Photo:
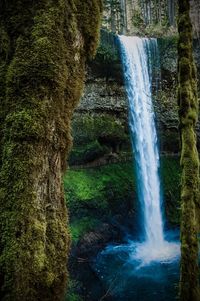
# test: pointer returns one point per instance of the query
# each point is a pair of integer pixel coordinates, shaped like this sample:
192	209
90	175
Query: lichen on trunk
43	49
188	114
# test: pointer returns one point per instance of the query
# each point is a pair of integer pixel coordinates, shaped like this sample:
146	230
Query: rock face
103	95
100	125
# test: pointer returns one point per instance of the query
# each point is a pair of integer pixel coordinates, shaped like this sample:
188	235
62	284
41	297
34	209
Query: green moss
87	153
97	135
111	189
43	49
188	114
97	190
80	227
83	185
89	127
91	24
107	54
23	124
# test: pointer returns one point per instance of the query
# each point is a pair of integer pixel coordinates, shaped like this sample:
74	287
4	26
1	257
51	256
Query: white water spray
136	53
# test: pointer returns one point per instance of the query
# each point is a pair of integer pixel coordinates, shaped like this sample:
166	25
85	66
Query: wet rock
94	241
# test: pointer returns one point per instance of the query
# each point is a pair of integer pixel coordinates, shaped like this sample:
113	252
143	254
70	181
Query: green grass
100	186
81	226
97	194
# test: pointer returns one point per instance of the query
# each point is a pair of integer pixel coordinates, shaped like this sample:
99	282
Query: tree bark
188	114
43	49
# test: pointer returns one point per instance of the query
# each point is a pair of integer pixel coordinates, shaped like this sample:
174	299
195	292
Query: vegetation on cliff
95	196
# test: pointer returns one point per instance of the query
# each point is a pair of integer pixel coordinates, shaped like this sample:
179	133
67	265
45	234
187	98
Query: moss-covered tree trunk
188	113
43	48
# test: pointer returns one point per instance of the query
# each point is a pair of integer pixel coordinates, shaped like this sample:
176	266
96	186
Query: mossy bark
43	49
188	114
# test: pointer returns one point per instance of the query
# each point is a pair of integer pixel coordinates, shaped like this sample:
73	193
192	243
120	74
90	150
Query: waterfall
142	125
137	63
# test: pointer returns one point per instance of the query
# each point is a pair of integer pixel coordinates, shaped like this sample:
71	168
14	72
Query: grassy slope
94	195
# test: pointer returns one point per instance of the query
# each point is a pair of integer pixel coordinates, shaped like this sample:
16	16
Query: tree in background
115	15
188	114
43	48
195	17
121	16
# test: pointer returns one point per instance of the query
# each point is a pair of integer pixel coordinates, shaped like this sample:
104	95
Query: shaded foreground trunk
43	48
188	114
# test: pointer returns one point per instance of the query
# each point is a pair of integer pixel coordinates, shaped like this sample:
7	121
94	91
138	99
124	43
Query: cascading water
145	269
143	133
137	58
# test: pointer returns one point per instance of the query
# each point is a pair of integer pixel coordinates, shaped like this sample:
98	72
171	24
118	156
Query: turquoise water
124	279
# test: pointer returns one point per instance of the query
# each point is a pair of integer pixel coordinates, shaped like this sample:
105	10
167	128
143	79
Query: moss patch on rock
95	195
98	189
96	135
